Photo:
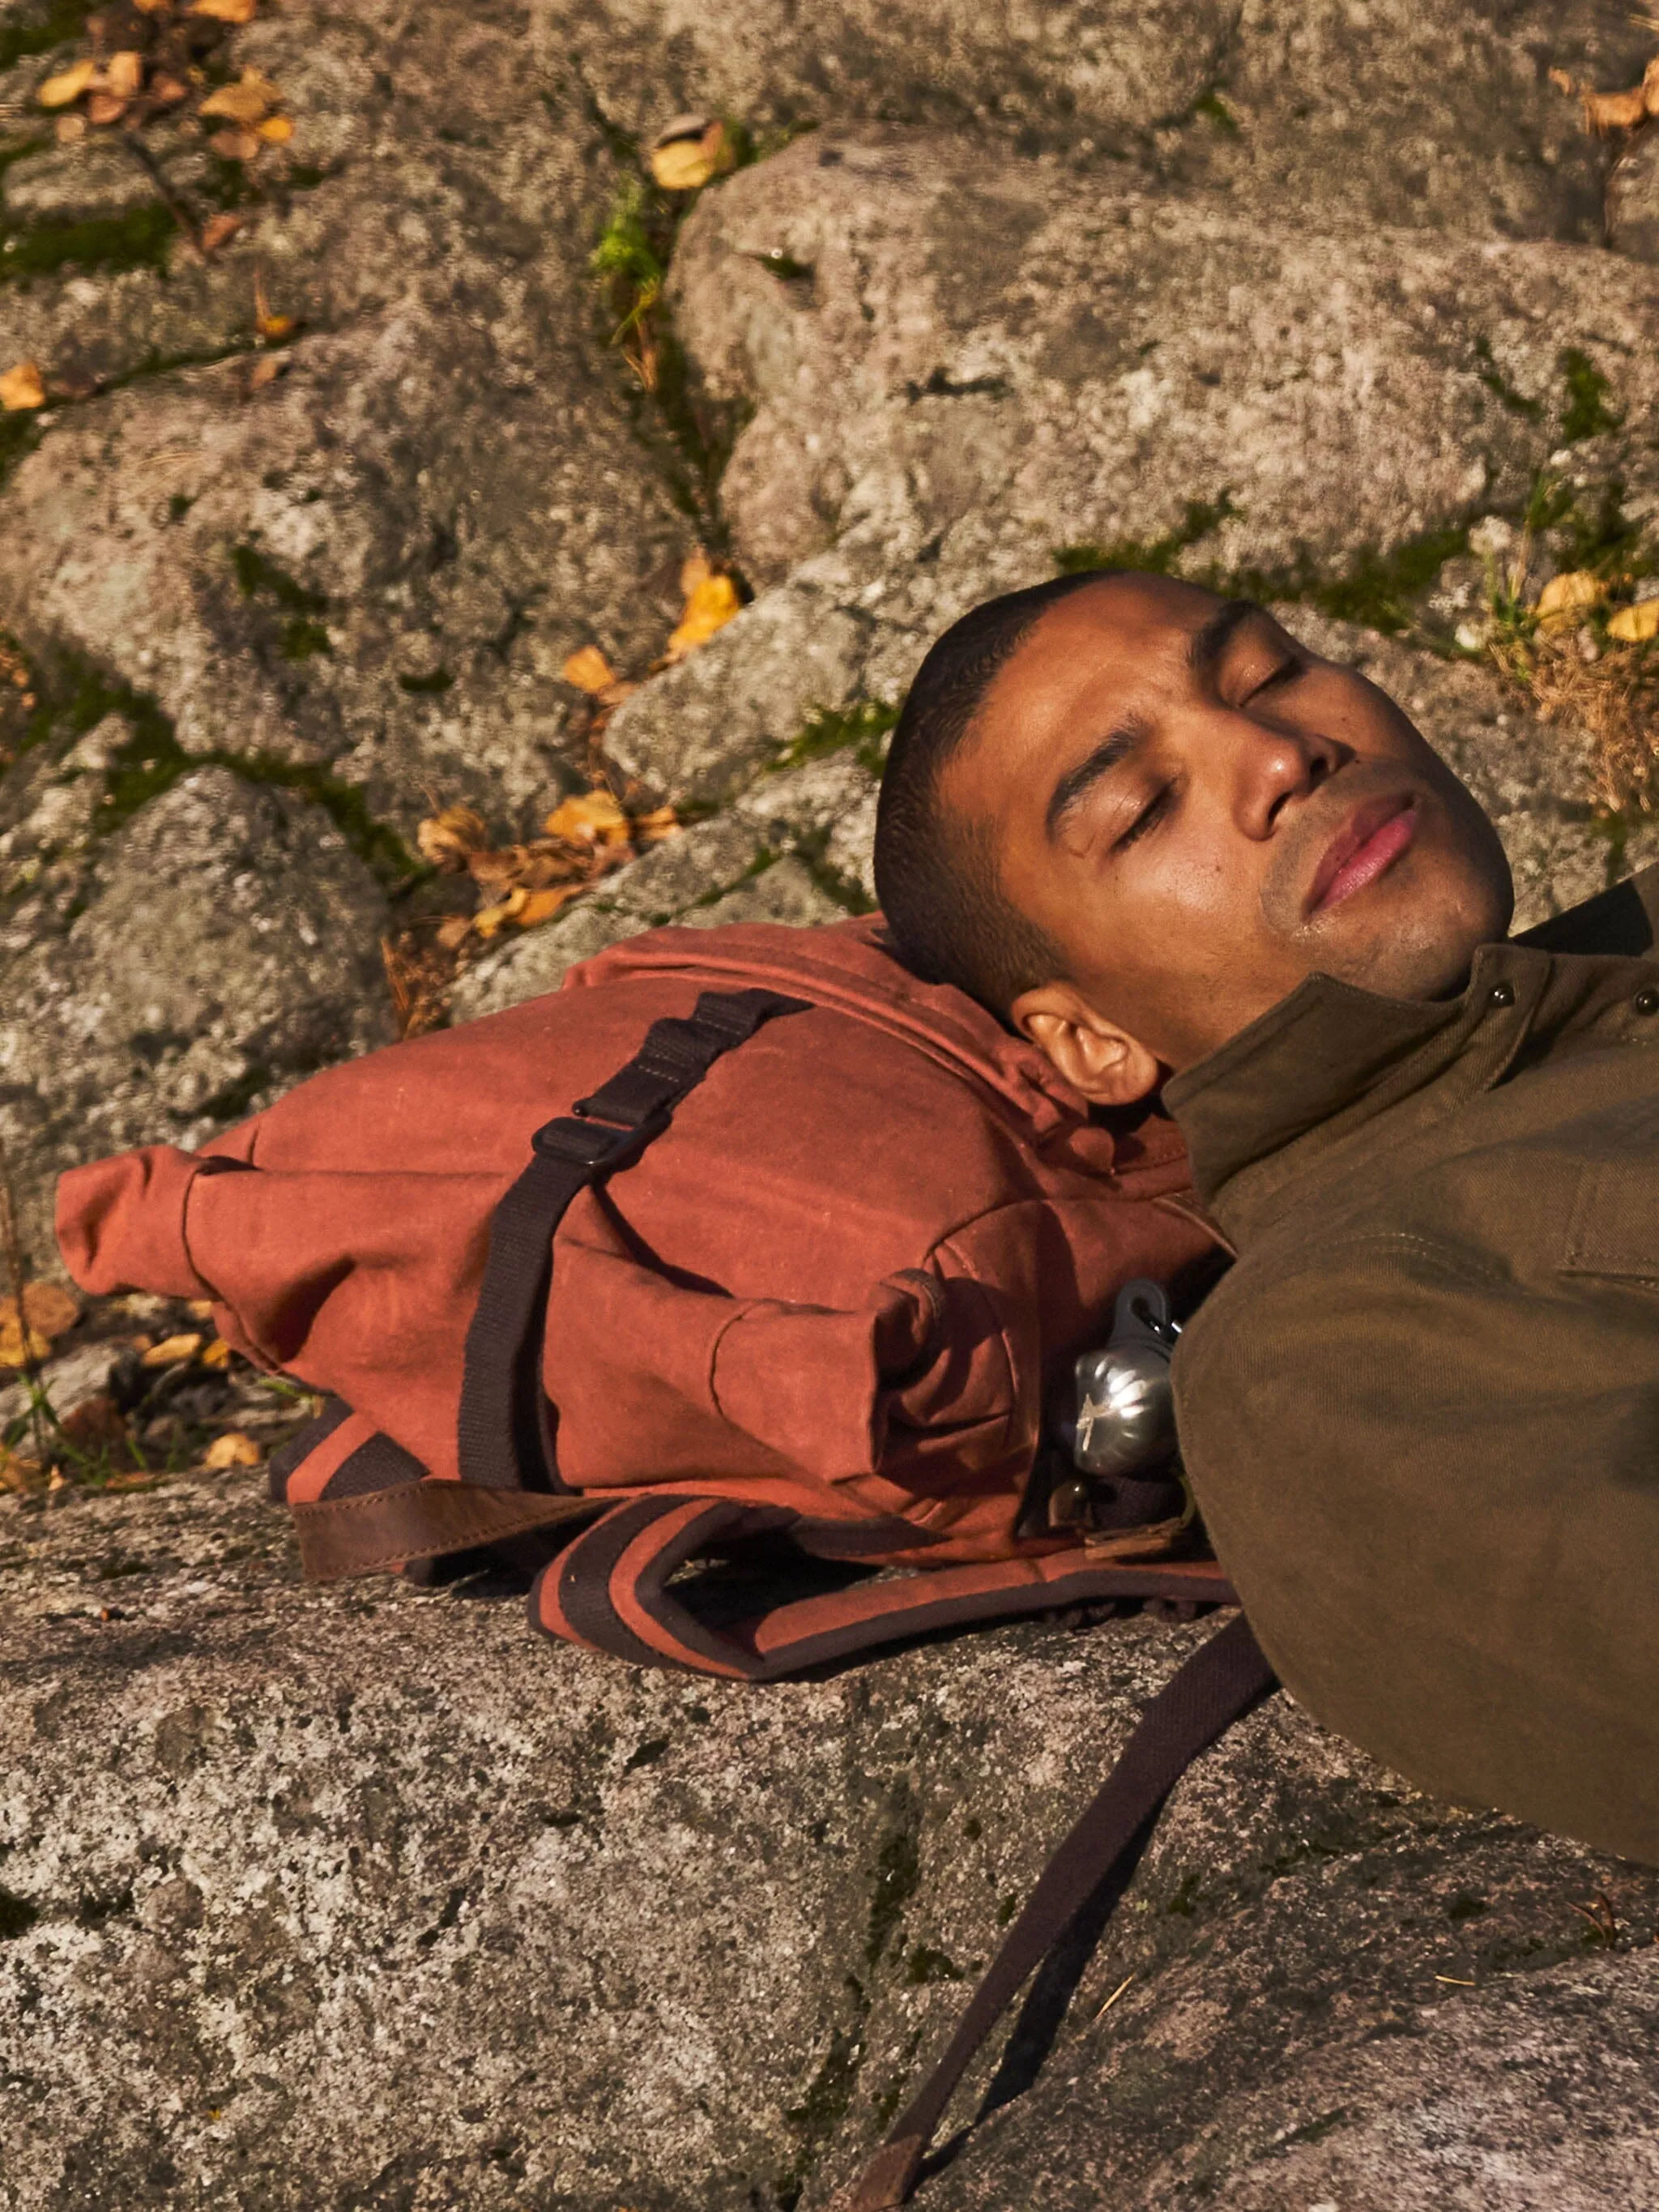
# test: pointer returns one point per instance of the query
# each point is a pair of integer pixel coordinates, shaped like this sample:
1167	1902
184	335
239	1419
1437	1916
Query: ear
1105	1063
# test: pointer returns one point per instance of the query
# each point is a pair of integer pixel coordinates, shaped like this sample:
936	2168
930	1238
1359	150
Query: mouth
1369	843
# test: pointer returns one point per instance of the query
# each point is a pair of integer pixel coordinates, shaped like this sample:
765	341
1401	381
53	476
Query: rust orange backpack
743	1237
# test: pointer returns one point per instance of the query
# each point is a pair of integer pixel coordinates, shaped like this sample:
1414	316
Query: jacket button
1502	994
1646	1001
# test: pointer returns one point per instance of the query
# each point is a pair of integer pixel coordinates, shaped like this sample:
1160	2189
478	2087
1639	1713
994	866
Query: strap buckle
598	1146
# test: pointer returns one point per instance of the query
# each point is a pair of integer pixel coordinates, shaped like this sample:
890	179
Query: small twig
179	208
1456	1982
1113	1997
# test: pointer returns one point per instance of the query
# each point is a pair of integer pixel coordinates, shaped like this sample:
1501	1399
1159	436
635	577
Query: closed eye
1286	672
1149	817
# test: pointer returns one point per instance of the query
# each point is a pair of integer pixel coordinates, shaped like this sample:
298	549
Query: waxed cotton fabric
1421	1413
738	1313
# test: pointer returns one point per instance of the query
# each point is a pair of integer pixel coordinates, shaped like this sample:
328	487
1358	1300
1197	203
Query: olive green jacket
1421	1412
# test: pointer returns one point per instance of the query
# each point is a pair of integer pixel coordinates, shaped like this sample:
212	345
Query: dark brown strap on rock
1217	1685
502	1433
379	1530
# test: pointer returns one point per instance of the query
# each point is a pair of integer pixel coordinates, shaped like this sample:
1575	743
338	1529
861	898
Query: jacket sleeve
1438	1498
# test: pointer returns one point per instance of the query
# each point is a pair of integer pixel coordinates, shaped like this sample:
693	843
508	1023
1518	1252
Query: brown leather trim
383	1528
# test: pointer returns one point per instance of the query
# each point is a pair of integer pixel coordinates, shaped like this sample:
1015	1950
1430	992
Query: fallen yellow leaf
588	670
542	905
453	930
17	1350
1565	599
171	1348
446	839
594	818
22	387
696	569
234	145
266	370
708	609
1635	625
1650	86
104	108
251	98
1616	110
233	1449
199	1309
218	1354
68	85
271	328
688	152
224	11
490	918
124	74
167	90
277	130
18	1474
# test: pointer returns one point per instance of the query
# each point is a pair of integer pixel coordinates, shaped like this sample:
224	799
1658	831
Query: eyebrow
1111	753
1206	646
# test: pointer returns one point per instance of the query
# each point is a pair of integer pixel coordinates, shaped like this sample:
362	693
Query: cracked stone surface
360	1897
220	947
364	1897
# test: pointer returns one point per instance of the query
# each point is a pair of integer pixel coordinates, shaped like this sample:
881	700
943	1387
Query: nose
1274	767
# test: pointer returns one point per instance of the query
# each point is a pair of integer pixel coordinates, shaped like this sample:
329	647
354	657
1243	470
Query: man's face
1199	812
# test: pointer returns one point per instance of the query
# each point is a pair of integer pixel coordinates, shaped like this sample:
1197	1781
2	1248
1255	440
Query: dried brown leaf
18	1474
652	828
168	90
67	87
453	930
543	905
1616	110
446	839
266	370
217	230
234	145
224	11
103	108
21	388
18	1350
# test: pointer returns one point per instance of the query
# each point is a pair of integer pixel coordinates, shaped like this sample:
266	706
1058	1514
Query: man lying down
1420	1414
1140	854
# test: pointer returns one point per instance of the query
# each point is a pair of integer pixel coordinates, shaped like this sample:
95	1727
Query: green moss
1376	589
257	573
142	238
1498	385
859	727
1214	109
42	29
1153	557
926	1964
302	638
898	1871
1585	412
630	246
75	695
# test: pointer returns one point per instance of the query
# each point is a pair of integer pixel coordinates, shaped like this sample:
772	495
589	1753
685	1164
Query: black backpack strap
504	1443
1218	1684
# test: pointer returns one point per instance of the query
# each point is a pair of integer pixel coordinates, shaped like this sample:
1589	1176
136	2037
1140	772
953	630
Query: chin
1418	948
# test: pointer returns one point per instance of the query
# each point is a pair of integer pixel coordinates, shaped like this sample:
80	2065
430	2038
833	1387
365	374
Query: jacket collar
1277	1101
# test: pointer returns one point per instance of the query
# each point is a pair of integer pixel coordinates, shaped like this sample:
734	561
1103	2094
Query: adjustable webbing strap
1220	1683
502	1433
613	1589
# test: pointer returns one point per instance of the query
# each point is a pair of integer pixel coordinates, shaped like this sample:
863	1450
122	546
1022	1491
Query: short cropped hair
937	878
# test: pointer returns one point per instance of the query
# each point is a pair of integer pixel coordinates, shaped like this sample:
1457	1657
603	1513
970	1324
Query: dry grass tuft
1613	699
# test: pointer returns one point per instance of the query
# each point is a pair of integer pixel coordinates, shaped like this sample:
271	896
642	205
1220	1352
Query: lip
1369	843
